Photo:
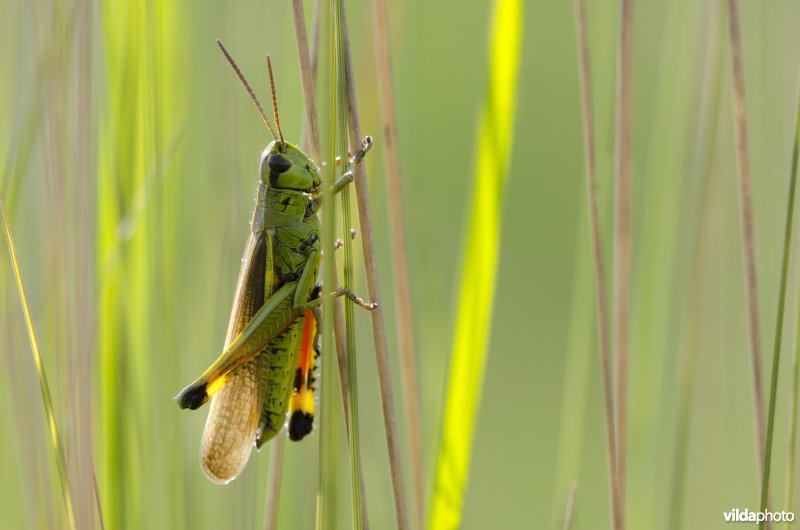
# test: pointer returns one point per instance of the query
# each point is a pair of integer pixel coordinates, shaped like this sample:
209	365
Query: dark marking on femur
300	424
298	380
192	397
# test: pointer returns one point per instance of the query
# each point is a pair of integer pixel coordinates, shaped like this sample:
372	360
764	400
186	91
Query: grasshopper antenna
250	90
274	98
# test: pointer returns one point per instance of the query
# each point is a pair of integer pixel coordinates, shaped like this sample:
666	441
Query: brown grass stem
315	38
748	239
373	287
307	77
84	274
601	298
274	483
622	241
99	504
402	289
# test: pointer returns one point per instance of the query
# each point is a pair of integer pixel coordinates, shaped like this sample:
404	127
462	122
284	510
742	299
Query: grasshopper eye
278	164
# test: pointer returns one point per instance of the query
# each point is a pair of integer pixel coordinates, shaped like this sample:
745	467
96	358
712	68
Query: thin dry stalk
601	298
405	324
373	287
570	506
85	292
748	240
315	38
274	483
622	240
97	499
308	76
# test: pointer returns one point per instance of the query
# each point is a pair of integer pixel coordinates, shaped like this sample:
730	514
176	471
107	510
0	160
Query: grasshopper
267	365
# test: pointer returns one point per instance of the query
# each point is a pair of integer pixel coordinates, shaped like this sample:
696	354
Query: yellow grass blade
55	439
473	322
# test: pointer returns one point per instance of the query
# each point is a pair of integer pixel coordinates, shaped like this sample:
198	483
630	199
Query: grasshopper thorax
284	166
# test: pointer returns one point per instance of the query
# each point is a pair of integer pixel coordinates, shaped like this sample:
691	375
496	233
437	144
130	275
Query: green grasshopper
267	366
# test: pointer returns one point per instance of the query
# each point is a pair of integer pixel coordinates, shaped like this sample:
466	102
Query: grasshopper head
284	166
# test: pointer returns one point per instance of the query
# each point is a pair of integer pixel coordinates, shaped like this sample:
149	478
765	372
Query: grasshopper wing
233	379
233	415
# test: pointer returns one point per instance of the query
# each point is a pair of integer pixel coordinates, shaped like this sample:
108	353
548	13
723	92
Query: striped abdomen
276	371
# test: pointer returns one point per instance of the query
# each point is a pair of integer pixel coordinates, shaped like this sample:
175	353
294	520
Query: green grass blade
352	372
326	495
791	459
776	358
351	403
479	269
55	439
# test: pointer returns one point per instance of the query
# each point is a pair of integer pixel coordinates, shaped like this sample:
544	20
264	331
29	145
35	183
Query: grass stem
274	483
325	496
570	506
792	449
308	77
622	242
405	323
351	397
791	460
98	504
776	355
601	298
373	287
55	438
748	239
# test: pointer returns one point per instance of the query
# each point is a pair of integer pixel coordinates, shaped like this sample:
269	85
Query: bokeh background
129	163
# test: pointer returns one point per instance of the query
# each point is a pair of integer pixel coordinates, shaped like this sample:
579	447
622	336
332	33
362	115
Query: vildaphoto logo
746	516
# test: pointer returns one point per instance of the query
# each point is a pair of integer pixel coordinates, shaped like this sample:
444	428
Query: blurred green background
130	154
